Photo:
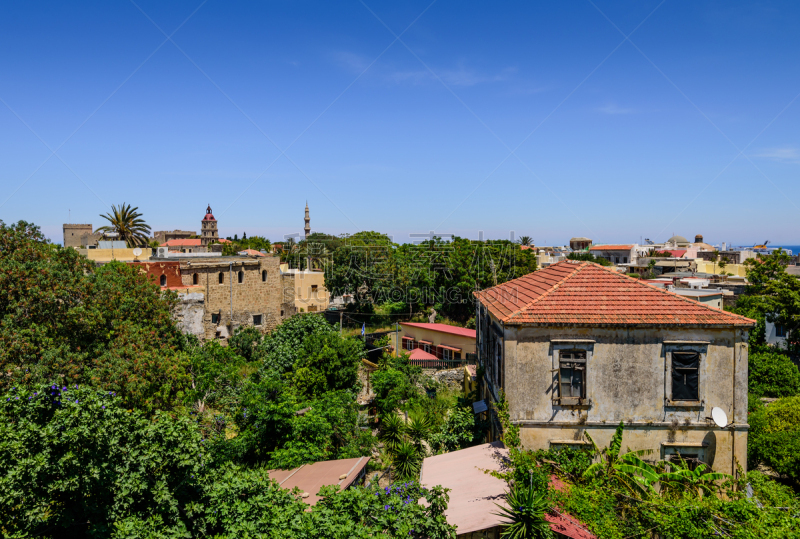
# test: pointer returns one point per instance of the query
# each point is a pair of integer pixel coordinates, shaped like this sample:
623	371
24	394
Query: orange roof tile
611	248
584	293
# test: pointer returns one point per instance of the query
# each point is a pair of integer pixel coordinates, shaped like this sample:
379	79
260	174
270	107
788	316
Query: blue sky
456	117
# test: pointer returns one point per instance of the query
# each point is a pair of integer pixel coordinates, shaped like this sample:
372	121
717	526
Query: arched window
264	275
163	280
221	277
195	278
241	276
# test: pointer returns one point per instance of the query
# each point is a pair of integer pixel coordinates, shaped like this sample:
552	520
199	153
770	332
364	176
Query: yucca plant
126	222
392	430
681	478
418	429
524	510
628	469
406	461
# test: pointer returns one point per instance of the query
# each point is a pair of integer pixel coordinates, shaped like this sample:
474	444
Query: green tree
772	373
525	240
589	257
774	437
126	222
328	362
65	321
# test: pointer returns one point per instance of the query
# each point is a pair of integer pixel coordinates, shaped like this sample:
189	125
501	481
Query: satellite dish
137	252
719	417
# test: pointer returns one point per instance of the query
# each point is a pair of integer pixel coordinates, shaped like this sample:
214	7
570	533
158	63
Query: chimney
698	238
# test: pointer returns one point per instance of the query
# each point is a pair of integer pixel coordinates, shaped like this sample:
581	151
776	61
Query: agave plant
406	460
628	469
391	431
681	478
126	222
524	510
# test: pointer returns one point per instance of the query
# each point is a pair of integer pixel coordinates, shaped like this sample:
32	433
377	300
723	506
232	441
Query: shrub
772	373
774	437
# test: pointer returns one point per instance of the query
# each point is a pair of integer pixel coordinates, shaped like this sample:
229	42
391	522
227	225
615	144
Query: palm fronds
524	514
127	222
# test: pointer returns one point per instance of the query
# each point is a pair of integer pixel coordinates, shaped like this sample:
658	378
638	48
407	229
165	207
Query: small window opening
685	374
195	278
241	276
264	276
215	319
163	280
313	288
571	374
221	278
780	330
409	344
256	319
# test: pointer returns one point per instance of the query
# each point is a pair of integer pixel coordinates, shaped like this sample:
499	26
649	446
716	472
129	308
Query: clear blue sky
688	127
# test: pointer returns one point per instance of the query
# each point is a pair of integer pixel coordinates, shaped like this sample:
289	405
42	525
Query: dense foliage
432	273
74	463
65	321
774	437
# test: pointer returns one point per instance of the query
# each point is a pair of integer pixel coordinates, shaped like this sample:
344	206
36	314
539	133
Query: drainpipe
733	419
230	272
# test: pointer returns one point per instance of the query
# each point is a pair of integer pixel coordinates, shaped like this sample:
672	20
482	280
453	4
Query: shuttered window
572	374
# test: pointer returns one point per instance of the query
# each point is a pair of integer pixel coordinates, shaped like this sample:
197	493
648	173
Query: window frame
258	320
240	276
702	350
566	362
162	280
195	278
447	355
569	346
215	318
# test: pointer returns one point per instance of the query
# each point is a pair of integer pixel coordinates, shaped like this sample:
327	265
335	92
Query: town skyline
600	119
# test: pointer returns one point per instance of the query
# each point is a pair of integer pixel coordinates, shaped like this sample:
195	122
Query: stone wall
190	313
73	233
258	294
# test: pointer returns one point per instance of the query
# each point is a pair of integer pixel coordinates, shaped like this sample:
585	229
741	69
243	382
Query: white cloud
786	153
615	109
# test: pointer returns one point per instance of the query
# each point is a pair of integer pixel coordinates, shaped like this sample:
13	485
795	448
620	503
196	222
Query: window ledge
684	444
569	442
694	405
572	403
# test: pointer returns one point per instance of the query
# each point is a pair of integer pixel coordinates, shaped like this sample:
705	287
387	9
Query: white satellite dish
137	252
720	417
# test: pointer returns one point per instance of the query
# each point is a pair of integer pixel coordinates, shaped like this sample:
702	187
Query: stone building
579	244
209	233
73	233
577	348
162	236
237	291
220	294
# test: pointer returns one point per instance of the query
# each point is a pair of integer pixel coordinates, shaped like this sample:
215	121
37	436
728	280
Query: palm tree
525	240
126	222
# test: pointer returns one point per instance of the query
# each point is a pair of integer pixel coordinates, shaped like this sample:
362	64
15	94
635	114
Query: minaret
308	222
209	233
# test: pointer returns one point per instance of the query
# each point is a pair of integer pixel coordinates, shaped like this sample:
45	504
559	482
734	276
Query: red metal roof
419	353
611	248
584	293
676	253
442	328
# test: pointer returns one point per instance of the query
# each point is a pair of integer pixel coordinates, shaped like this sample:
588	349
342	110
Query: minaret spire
308	222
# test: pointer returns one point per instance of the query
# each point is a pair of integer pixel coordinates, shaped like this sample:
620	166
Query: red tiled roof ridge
578	266
609	300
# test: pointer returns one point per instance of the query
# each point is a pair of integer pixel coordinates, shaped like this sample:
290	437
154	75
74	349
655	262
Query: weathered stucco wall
627	379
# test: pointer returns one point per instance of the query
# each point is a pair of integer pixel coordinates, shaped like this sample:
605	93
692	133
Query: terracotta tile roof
611	248
583	293
189	242
251	252
442	328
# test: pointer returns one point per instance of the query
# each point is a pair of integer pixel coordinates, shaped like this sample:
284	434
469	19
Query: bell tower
208	225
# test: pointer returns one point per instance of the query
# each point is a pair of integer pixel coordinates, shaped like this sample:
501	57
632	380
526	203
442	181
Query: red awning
425	342
407	338
453	348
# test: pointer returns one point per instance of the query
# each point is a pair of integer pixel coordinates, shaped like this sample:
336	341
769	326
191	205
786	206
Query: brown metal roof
311	477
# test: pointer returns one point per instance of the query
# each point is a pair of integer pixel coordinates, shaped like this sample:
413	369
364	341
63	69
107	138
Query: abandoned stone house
219	294
577	348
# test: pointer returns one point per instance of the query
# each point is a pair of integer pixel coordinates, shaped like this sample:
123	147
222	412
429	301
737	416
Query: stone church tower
209	232
308	222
